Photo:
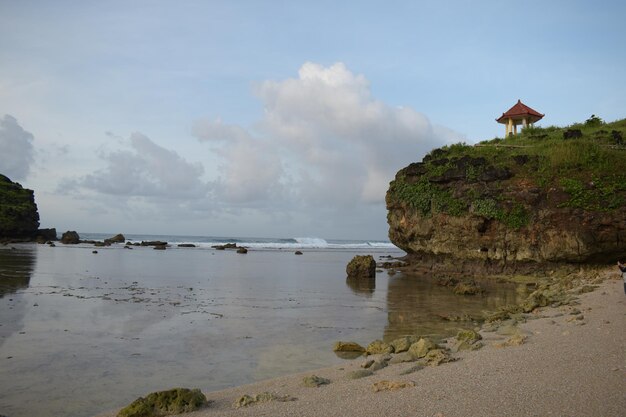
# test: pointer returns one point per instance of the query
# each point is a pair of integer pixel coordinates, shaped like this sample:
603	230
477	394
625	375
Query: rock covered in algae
314	381
402	344
420	348
162	403
264	397
361	266
378	346
347	347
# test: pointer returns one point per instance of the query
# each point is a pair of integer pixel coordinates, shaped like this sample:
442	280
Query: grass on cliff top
590	168
596	151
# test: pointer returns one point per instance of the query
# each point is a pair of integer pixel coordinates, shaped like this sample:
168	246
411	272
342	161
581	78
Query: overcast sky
276	118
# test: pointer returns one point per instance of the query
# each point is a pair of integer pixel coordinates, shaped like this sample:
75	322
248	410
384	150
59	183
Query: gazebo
519	114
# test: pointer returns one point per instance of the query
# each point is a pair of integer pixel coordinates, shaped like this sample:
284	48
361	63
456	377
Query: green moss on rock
361	266
162	403
18	212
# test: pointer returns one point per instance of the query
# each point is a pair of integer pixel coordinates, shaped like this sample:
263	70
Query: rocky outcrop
18	212
486	207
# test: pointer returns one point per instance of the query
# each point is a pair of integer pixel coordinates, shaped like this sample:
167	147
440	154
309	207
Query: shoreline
573	363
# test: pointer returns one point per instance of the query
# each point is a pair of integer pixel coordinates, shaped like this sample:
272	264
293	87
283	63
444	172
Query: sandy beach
573	363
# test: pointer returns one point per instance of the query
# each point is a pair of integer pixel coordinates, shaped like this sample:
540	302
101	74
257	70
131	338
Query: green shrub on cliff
18	211
581	166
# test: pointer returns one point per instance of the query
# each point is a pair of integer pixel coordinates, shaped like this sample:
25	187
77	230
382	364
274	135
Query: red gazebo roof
518	111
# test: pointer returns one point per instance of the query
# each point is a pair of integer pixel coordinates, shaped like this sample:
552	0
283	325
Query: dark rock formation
186	245
18	212
572	134
70	238
225	246
119	238
242	250
361	266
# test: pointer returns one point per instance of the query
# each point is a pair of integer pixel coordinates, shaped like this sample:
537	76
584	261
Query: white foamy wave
311	242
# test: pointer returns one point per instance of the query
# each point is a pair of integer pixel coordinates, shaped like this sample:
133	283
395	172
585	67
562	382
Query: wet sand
572	364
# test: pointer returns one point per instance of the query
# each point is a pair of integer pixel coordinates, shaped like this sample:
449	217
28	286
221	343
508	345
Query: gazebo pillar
509	127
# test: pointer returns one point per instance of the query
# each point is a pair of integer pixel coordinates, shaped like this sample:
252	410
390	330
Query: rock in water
174	401
361	266
242	250
118	238
347	347
70	238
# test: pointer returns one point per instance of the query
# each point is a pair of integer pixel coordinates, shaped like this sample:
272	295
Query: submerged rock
242	250
361	266
174	401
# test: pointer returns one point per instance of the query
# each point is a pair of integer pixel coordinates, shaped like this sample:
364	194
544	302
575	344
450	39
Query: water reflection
362	286
417	305
16	267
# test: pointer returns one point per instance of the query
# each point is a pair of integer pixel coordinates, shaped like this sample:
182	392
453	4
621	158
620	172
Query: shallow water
82	332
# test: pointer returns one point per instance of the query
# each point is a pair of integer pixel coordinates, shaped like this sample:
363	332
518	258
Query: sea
86	329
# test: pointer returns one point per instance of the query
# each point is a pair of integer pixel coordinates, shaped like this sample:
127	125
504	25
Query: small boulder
160	247
420	348
402	357
348	347
468	335
378	346
361	266
174	401
242	250
403	344
70	238
298	252
186	245
436	357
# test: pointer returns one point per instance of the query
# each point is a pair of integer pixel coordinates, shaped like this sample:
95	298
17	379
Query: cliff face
18	212
513	204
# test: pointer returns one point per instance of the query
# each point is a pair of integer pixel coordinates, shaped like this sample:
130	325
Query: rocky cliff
546	196
18	212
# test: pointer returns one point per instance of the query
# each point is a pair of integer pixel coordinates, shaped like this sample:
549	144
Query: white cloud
324	135
146	170
16	149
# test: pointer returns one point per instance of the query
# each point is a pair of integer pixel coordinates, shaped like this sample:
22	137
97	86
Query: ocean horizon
259	243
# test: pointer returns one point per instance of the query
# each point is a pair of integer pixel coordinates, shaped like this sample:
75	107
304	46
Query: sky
276	118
